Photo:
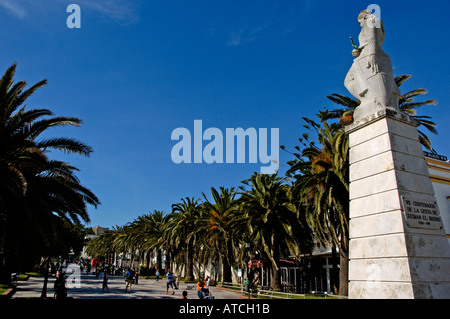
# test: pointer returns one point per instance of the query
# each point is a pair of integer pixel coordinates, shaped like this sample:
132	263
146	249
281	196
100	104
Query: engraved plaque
421	214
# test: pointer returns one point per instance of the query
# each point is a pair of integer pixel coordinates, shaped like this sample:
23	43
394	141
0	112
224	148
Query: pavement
90	287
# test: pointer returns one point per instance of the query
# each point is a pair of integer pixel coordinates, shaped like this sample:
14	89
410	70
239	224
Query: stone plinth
398	247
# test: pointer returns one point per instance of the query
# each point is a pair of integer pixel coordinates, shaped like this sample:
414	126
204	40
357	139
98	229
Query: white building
439	168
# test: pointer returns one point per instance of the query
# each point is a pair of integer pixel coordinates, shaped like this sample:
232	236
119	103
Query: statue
371	79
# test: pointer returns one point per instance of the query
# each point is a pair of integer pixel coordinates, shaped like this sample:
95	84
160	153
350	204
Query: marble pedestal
397	244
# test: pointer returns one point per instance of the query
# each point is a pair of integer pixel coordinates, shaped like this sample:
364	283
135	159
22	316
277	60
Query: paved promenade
91	288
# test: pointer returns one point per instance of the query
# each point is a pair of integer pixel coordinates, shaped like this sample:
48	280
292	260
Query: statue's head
364	15
367	19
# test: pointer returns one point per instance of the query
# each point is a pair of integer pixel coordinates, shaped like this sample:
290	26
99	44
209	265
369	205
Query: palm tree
321	186
159	221
100	246
31	183
148	234
138	235
180	230
106	244
272	221
215	226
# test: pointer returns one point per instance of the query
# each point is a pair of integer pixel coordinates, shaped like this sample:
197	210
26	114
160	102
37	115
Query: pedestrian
105	282
184	295
157	275
129	279
60	287
207	281
170	283
177	282
200	288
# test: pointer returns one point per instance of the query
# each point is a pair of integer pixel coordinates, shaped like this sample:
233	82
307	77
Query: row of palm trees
259	217
42	202
268	215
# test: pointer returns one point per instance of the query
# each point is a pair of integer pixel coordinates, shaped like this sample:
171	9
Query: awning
255	263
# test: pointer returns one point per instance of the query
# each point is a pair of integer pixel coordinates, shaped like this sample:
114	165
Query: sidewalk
32	288
91	288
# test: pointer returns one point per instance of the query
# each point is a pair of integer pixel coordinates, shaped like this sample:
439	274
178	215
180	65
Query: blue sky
137	70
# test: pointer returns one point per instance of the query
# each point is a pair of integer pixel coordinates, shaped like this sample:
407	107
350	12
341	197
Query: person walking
157	275
105	282
129	280
170	278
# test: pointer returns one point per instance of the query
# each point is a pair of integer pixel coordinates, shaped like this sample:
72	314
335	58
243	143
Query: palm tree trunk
5	277
226	271
226	267
334	270
343	273
159	259
189	263
275	280
148	262
44	287
132	260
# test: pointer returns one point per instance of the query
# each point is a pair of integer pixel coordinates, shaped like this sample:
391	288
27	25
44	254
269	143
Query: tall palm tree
138	234
159	221
180	230
28	175
215	226
106	244
148	234
272	221
321	186
100	246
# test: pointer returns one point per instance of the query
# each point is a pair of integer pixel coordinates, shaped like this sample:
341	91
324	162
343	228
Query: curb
8	293
242	296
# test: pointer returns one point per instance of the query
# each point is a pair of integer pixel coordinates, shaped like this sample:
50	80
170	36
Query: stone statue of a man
370	79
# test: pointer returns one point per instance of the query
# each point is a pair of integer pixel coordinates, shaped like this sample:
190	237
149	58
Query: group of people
202	286
131	277
202	289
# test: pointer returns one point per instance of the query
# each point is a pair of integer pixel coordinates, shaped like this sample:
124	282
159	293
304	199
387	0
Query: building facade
439	168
